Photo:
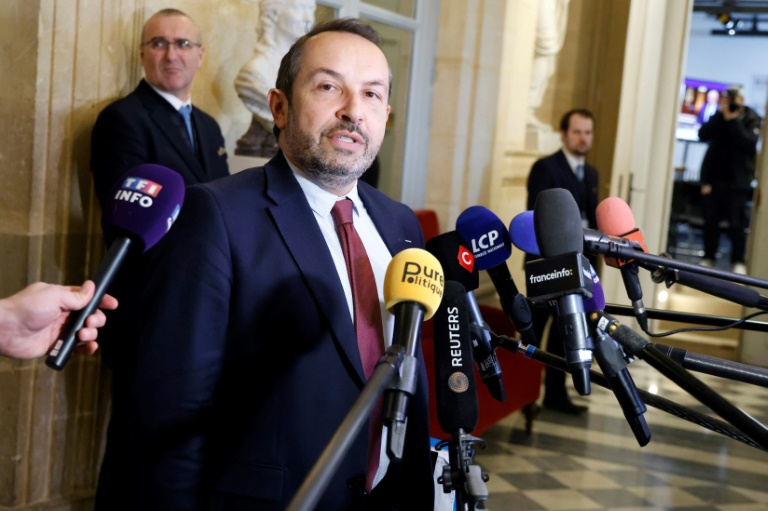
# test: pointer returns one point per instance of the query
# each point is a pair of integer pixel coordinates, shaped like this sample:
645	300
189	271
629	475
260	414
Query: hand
32	319
706	189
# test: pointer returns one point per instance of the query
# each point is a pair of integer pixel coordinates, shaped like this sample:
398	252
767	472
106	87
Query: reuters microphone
413	290
144	205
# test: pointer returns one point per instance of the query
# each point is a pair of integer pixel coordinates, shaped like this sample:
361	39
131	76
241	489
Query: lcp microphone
413	290
562	277
144	205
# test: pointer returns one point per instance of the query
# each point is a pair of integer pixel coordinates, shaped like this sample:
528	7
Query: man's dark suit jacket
554	171
139	128
248	360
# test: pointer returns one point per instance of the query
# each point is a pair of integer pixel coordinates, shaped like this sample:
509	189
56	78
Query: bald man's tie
365	297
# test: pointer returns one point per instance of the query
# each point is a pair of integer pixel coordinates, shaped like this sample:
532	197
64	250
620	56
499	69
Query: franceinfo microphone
458	263
615	218
144	205
562	277
413	289
489	239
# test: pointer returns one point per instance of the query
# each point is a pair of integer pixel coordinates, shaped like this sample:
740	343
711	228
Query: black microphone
145	202
615	218
491	244
455	390
413	289
562	275
458	263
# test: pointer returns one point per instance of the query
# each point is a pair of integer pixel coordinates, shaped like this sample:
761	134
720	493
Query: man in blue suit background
249	359
567	168
147	126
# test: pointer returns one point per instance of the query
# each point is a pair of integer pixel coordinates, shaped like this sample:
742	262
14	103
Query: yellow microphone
413	289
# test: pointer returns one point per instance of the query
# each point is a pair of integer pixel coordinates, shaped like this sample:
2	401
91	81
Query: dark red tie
365	297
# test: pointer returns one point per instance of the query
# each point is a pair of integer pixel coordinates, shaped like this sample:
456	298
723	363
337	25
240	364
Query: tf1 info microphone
144	205
413	289
455	391
615	218
563	276
458	263
489	239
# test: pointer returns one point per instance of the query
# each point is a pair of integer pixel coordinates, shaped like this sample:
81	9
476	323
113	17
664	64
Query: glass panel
324	13
396	45
403	7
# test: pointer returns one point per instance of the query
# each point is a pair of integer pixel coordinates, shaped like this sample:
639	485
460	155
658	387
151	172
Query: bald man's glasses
161	44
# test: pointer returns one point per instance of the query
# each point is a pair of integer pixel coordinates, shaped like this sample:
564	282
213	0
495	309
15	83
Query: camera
732	95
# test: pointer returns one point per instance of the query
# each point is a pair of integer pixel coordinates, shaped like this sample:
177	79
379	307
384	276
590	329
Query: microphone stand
666	405
703	363
326	465
461	475
640	347
620	248
686	317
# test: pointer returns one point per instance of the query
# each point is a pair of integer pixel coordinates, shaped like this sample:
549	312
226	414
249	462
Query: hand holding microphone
145	203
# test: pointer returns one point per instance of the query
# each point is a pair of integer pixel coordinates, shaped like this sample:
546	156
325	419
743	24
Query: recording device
144	205
489	239
615	218
413	289
733	93
562	277
458	262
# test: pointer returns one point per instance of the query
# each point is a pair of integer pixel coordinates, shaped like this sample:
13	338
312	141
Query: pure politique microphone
615	218
144	204
458	263
489	239
413	289
562	277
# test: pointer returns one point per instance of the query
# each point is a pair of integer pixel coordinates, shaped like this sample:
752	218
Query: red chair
521	376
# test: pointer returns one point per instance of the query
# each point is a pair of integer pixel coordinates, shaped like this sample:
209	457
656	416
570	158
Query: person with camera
727	172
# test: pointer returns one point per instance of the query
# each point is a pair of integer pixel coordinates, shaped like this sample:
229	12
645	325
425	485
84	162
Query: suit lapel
297	225
382	219
165	118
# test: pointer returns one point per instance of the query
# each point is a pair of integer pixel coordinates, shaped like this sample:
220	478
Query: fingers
109	302
86	348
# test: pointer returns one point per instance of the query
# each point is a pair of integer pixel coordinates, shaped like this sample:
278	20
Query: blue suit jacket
249	361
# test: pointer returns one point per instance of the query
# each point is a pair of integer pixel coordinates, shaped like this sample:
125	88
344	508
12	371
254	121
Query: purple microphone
145	203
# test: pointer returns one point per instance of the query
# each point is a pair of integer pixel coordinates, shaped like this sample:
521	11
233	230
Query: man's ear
278	105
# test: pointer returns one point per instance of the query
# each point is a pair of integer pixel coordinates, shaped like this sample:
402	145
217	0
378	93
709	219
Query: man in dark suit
147	127
249	357
567	168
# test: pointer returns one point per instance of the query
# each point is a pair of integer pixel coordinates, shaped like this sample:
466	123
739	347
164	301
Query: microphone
562	275
523	234
413	289
615	218
144	205
489	239
458	263
455	390
612	361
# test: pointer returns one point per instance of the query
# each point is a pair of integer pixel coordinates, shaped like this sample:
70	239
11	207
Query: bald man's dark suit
249	360
139	128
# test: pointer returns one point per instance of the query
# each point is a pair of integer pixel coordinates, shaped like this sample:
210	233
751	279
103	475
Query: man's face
578	139
336	121
171	70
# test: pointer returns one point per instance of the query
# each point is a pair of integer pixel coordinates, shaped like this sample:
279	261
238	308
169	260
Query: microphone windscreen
487	236
596	302
455	388
456	258
414	275
522	233
557	223
614	217
145	203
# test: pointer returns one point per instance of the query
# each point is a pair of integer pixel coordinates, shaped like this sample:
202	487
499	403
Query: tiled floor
593	462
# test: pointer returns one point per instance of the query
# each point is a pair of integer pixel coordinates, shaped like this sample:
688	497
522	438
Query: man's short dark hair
291	62
566	120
